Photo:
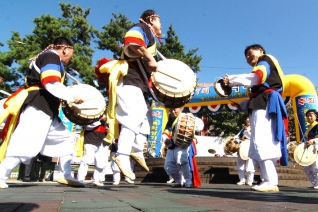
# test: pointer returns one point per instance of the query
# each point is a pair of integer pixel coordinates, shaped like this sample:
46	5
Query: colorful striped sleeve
50	73
136	36
262	69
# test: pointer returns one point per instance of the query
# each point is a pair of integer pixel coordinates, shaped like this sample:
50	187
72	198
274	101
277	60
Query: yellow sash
79	146
116	69
14	106
310	127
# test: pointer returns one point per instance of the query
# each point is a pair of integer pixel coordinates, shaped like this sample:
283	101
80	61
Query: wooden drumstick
169	75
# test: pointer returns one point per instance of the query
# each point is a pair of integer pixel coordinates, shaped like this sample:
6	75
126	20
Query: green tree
73	24
113	34
225	123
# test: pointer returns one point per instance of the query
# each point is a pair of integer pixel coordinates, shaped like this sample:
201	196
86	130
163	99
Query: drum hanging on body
91	110
174	83
184	131
231	146
305	155
244	148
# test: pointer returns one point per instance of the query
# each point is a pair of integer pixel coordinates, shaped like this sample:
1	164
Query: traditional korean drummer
40	129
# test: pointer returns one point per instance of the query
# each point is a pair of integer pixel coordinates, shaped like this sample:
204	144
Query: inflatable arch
298	88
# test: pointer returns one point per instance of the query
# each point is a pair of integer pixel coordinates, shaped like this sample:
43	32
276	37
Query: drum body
184	131
221	89
174	83
91	110
231	146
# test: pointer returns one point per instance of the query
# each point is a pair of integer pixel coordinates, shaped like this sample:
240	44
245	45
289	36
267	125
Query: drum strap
146	80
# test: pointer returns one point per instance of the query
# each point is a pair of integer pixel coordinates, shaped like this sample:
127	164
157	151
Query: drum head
221	89
305	156
174	78
91	110
244	148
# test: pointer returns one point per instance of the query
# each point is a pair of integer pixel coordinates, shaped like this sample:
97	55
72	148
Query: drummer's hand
310	142
226	80
78	100
167	142
152	65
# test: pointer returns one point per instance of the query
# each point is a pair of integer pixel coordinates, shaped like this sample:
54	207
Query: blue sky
221	29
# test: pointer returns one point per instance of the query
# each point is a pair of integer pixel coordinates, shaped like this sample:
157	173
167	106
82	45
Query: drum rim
229	89
298	151
246	145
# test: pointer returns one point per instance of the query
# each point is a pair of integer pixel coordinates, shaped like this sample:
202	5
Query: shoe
310	186
267	188
242	182
316	187
189	185
70	182
178	185
249	183
125	172
170	181
254	187
98	184
116	183
139	161
3	185
129	181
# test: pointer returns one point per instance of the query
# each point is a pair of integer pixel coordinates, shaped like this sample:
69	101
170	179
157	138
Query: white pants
245	165
116	170
177	165
37	132
262	143
134	114
93	155
312	173
264	149
268	171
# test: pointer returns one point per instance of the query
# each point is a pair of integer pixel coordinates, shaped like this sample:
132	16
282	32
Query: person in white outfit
95	152
40	129
267	114
133	107
312	139
245	165
177	159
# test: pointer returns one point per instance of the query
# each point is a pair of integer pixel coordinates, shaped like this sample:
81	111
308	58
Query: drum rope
145	78
301	131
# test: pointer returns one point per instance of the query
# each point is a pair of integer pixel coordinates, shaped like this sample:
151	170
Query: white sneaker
242	182
116	183
3	185
267	188
316	187
97	184
249	183
170	181
129	181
